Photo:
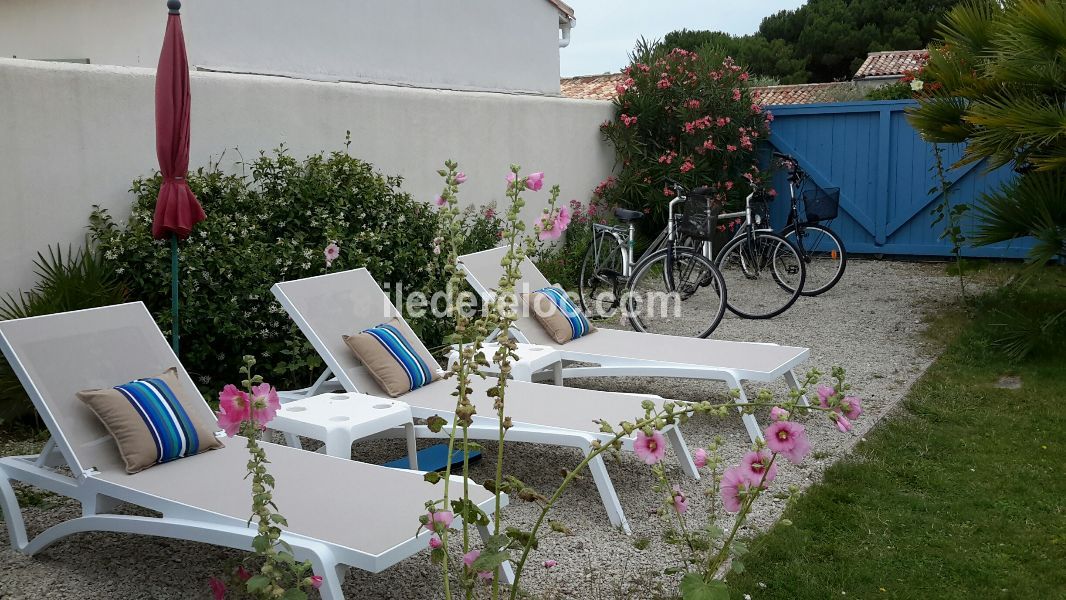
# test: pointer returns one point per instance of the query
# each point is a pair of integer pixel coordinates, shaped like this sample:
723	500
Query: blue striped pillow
558	316
152	420
394	358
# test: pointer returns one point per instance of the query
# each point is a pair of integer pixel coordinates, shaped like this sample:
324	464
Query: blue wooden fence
884	171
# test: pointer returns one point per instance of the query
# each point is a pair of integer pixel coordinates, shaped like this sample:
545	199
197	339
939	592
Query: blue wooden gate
884	171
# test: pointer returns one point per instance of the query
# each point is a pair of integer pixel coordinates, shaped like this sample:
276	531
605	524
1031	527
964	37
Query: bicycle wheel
763	273
823	256
602	281
676	292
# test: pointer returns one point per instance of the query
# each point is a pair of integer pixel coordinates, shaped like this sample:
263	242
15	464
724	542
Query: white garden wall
474	44
76	135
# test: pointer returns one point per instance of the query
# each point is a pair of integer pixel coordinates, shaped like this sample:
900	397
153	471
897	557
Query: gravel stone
871	324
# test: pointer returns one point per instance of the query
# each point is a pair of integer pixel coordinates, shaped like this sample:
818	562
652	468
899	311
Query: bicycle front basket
821	205
699	217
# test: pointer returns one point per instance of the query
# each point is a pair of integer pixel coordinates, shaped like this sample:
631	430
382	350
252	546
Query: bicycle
763	271
820	247
669	274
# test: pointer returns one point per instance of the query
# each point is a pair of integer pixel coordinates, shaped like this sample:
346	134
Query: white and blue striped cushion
558	316
391	353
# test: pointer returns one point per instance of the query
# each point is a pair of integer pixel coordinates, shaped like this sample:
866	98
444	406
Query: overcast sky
607	29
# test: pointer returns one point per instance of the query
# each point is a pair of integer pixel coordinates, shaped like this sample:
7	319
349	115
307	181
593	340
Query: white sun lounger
327	307
333	520
626	353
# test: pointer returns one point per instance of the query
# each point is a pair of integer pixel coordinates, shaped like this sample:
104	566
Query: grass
961	494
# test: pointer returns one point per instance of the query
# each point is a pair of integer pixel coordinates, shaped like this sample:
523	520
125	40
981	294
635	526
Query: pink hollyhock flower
699	458
650	449
332	252
851	406
788	438
562	220
218	589
440	517
265	404
243	574
550	563
511	177
440	201
546	230
778	414
535	181
434	542
233	409
755	464
680	500
460	178
842	423
824	394
468	562
735	481
316	581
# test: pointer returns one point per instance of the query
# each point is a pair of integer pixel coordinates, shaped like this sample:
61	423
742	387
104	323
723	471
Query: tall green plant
73	280
1002	91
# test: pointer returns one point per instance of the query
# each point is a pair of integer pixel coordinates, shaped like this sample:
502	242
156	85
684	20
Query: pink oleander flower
550	563
687	166
789	439
824	394
699	458
650	449
842	423
434	542
316	581
680	500
770	116
731	148
736	94
218	589
440	201
852	407
332	252
778	414
441	517
735	482
755	463
265	404
460	178
233	409
535	181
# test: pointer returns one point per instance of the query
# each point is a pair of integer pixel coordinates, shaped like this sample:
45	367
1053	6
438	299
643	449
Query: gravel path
870	324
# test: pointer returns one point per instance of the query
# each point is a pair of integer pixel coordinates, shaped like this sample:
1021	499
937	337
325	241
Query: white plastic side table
531	359
339	419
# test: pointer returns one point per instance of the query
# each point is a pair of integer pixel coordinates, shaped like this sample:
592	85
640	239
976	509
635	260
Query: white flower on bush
917	85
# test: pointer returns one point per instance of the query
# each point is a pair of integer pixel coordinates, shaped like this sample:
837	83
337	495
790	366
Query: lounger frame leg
506	570
750	423
607	492
16	526
793	383
681	450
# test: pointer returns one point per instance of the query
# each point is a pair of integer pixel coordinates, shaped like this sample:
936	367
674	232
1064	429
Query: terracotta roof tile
893	63
602	87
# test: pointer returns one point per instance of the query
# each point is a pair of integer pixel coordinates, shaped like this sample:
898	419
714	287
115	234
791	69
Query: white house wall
499	45
74	135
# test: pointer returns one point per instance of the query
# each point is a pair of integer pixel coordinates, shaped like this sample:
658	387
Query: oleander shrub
274	224
686	117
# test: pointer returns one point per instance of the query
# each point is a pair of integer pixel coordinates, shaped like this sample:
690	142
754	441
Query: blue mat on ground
434	458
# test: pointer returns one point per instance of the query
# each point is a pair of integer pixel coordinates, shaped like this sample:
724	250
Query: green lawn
960	494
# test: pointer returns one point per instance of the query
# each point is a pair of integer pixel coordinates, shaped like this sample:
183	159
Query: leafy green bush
72	281
686	117
891	91
275	226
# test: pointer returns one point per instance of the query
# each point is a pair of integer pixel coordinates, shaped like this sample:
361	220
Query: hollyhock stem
753	493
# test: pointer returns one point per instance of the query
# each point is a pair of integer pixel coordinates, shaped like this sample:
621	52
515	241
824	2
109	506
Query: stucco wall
473	44
74	135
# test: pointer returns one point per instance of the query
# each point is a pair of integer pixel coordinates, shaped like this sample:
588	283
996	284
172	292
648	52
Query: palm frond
1030	206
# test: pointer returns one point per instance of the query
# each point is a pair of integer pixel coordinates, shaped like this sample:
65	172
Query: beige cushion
152	420
558	326
394	357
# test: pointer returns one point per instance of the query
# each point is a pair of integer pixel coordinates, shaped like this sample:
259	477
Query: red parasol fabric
176	210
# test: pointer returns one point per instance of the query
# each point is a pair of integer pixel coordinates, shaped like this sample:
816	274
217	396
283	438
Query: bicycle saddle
626	216
703	190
